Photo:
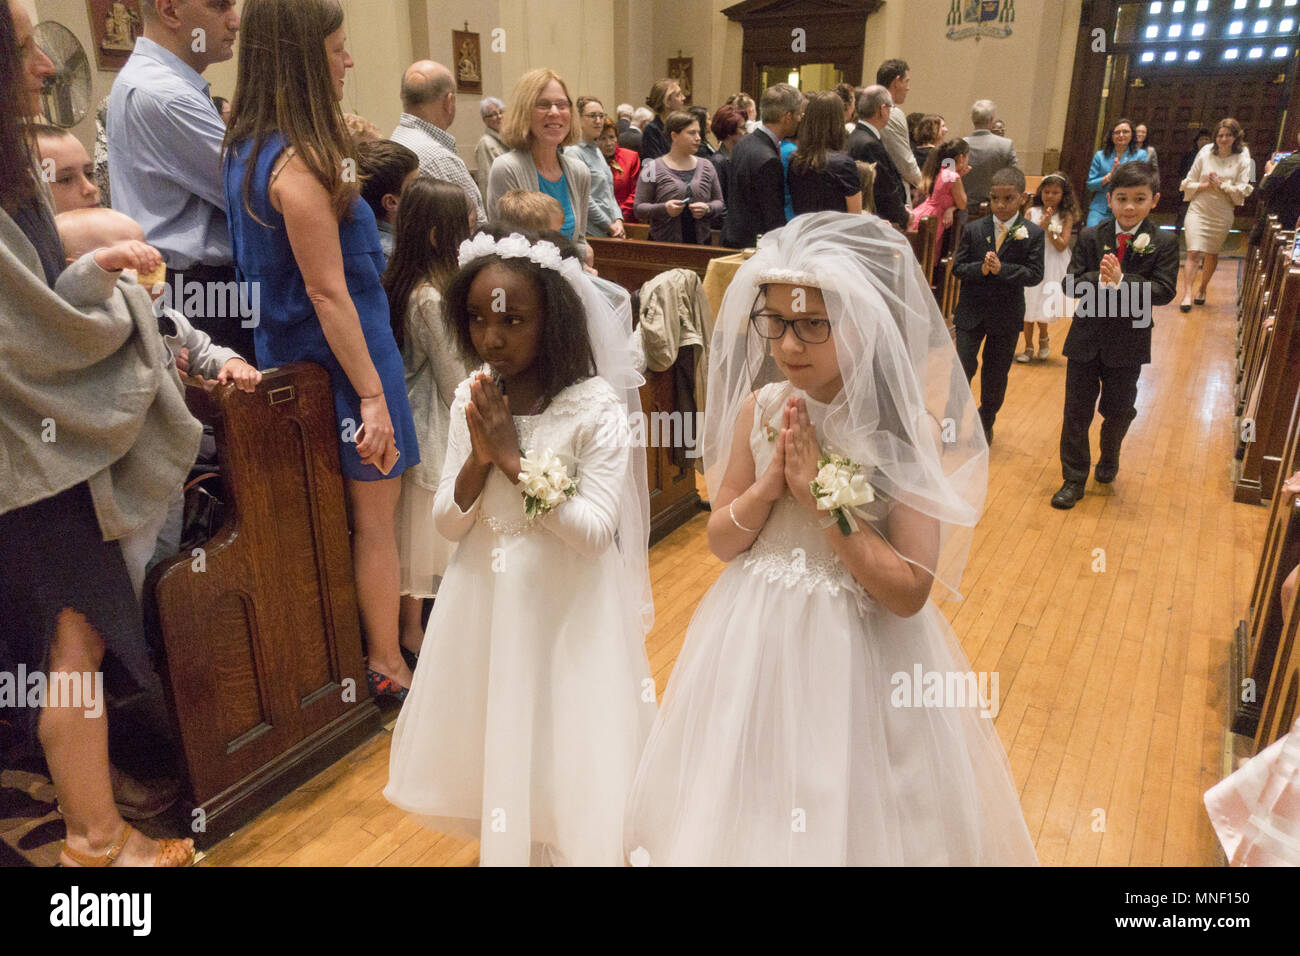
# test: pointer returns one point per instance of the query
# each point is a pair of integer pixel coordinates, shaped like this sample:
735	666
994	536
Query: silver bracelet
731	510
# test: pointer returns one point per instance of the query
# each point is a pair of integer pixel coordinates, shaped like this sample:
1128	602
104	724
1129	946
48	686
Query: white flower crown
514	246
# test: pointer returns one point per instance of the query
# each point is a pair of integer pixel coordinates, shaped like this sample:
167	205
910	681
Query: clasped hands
794	466
492	436
992	264
676	207
1110	272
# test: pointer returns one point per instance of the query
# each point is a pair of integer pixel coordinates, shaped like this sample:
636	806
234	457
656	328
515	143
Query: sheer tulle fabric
781	741
905	412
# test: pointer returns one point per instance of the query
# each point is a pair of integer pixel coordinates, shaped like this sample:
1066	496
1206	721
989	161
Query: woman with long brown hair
301	229
96	440
822	177
664	99
1217	183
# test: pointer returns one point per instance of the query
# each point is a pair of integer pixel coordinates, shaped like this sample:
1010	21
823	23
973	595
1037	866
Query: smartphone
1278	157
356	438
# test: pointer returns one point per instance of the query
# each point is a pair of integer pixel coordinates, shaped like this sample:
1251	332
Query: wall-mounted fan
66	95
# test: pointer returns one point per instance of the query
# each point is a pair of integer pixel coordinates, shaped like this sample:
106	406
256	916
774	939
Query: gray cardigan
516	170
86	396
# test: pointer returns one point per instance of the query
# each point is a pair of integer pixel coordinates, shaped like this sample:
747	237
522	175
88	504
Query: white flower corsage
1142	244
1020	232
839	488
545	481
1055	229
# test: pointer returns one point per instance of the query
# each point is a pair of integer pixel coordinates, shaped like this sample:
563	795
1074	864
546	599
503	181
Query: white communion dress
533	698
1047	302
786	737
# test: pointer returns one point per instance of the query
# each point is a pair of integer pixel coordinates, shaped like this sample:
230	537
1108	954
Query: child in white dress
799	725
1055	209
432	221
533	698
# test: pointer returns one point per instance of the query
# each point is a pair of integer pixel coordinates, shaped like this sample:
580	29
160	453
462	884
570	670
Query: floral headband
514	246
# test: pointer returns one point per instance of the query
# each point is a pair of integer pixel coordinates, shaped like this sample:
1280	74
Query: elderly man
988	153
428	109
630	138
866	145
756	187
490	144
895	76
164	150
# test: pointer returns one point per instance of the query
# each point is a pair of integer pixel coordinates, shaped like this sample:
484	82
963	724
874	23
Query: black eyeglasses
772	327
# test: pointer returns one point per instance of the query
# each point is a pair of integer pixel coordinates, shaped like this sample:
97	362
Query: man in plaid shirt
429	107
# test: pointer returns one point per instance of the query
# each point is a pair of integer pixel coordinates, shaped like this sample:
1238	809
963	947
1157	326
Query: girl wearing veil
533	698
821	711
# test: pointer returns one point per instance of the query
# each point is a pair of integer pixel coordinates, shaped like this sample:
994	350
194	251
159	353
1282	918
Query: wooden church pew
259	630
674	496
1256	638
1259	303
1279	709
1279	383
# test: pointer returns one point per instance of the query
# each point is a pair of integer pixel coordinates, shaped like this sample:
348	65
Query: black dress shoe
1106	473
1200	301
1070	493
1184	308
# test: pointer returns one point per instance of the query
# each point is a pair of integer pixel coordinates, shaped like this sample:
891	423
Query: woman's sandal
382	685
1200	301
159	797
171	853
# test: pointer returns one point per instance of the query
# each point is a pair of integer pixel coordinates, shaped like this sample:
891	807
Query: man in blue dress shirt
164	156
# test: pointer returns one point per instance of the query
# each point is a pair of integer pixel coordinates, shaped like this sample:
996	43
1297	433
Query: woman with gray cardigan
678	194
538	124
97	439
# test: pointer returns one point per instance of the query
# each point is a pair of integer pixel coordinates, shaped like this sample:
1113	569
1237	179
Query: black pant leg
215	303
968	349
999	354
1118	407
1082	383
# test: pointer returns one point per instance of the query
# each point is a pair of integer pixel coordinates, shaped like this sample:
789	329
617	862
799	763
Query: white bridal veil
905	412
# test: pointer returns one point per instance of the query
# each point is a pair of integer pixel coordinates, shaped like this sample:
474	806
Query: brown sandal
173	853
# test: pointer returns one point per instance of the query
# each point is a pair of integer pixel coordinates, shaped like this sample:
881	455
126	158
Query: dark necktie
1121	241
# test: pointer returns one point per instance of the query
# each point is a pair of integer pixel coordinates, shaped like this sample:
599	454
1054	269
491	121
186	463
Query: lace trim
511	528
783	563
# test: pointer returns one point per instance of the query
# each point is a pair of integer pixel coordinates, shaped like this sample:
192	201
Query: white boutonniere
839	488
545	481
1142	244
1020	232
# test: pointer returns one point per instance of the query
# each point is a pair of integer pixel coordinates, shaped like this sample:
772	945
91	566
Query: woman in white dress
533	697
795	728
1218	182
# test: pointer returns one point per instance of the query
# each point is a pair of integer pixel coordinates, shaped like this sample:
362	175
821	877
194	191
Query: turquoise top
559	191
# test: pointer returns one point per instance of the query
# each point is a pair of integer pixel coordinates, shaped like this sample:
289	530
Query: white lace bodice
585	422
791	550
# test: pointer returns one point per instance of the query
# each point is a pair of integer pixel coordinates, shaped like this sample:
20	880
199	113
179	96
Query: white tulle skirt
423	554
530	707
782	740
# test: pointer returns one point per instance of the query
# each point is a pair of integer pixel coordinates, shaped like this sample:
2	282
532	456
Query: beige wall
616	49
1026	74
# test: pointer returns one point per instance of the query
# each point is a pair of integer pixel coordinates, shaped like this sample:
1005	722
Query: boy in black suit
998	258
1120	269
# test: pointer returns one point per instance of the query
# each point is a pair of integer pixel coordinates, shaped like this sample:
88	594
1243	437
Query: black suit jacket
755	191
654	140
996	301
888	191
1115	325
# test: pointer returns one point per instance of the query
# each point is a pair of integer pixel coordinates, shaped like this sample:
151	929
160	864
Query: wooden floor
1108	625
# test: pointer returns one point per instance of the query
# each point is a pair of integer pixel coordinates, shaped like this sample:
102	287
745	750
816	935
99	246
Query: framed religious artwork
115	24
682	69
469	61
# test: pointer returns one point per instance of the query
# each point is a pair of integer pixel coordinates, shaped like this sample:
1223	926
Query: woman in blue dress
301	231
1117	151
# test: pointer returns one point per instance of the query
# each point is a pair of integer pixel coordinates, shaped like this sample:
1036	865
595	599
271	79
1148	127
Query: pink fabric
1256	811
938	202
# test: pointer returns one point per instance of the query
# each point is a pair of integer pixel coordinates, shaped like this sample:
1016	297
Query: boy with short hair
998	258
66	167
531	211
1121	268
385	169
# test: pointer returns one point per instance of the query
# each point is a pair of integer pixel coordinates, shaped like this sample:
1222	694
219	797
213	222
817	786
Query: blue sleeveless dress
288	329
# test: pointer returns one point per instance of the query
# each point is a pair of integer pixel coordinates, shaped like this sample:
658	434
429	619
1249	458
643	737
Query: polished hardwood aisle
1108	626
